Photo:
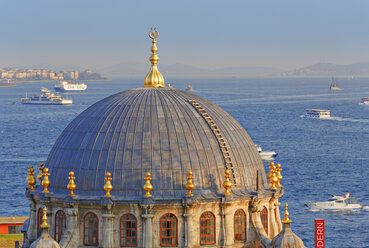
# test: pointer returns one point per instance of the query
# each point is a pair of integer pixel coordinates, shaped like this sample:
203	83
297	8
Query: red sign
319	233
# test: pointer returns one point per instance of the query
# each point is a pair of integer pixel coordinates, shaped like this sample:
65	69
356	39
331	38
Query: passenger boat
334	85
68	87
335	203
46	98
317	113
266	155
365	100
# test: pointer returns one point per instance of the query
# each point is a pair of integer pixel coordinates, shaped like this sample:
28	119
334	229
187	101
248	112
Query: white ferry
317	113
68	87
335	203
365	100
46	98
266	155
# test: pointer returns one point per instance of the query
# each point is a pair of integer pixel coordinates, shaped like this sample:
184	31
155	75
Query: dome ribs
222	143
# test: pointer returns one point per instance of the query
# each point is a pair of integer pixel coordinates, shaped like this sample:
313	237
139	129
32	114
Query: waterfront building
155	167
11	225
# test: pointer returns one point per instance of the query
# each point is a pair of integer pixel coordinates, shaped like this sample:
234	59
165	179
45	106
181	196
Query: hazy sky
205	33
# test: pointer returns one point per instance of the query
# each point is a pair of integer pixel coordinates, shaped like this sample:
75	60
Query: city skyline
207	34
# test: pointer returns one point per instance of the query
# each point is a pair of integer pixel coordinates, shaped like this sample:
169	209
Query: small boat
266	155
189	87
334	85
69	87
46	98
364	100
170	85
335	203
317	113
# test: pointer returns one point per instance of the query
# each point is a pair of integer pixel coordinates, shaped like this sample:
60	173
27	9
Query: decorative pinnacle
44	219
273	179
46	181
279	175
286	214
147	187
108	187
41	169
270	174
227	183
71	185
154	77
31	180
189	185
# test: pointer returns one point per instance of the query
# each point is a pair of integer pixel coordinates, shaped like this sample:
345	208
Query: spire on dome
286	214
154	77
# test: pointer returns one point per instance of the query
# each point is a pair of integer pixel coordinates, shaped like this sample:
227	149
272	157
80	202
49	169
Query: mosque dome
164	131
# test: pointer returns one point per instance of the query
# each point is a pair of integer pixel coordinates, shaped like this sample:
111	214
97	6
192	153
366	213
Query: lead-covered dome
167	132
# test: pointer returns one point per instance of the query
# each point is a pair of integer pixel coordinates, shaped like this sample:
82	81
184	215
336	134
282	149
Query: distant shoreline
52	81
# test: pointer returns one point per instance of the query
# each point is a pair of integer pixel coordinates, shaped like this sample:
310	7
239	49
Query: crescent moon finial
153	34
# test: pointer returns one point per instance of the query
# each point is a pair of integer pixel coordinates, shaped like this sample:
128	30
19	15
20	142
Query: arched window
90	229
40	213
207	228
264	219
60	223
168	230
128	230
240	225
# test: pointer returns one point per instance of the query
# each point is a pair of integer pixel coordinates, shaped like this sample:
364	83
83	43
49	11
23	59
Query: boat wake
336	118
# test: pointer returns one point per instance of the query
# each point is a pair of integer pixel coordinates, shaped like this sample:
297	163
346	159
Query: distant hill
327	69
182	70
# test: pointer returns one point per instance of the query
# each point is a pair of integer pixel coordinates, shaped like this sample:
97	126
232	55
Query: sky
210	34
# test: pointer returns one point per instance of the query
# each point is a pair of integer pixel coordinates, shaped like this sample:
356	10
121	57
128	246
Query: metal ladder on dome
218	135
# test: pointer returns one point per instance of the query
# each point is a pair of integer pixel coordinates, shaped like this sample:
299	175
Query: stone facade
148	214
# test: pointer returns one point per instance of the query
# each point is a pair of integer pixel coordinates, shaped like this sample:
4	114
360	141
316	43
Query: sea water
318	157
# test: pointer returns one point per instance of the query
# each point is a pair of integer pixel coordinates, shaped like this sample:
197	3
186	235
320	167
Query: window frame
40	214
238	215
125	228
264	219
208	227
84	229
168	217
58	236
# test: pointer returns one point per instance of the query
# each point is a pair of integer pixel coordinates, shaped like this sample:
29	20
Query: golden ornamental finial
40	171
270	174
46	181
44	219
227	183
286	214
189	185
31	180
154	77
108	187
71	185
147	187
279	175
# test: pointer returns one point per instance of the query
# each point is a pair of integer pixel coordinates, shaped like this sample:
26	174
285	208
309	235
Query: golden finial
40	171
44	219
108	187
286	214
31	180
147	187
279	175
154	77
46	181
227	183
189	185
270	174
71	185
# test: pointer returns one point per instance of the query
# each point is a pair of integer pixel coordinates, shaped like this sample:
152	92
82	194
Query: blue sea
318	157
